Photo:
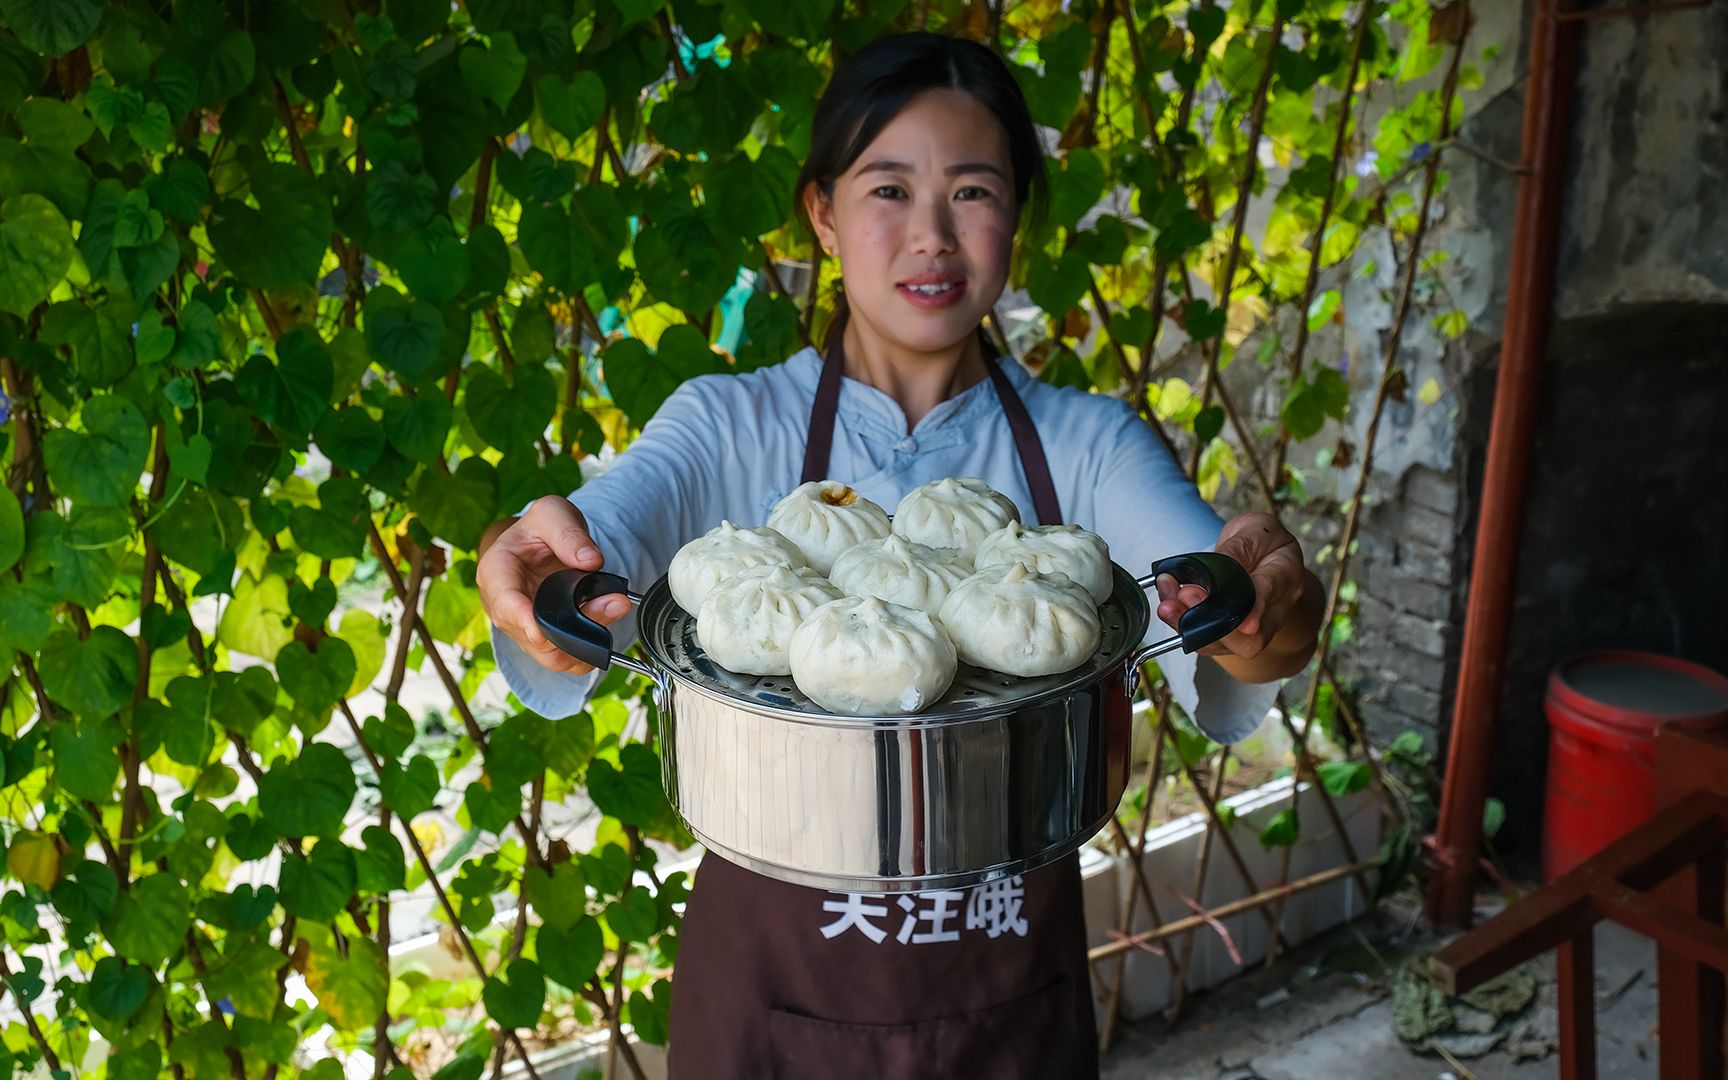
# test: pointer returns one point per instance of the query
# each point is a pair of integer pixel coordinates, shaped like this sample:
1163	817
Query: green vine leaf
309	795
296	306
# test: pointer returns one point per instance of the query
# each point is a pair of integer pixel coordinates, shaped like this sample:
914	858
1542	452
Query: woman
922	159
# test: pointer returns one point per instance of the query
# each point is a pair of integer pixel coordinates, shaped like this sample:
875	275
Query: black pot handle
1229	595
558	609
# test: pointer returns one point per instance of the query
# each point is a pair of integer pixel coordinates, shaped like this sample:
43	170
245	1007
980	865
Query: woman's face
923	222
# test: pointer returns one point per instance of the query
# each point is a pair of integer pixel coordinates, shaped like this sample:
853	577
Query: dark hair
870	87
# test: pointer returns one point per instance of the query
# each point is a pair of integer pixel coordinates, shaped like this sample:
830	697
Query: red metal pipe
1549	82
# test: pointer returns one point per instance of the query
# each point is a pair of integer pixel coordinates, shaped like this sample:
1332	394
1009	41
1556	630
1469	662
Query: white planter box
1170	857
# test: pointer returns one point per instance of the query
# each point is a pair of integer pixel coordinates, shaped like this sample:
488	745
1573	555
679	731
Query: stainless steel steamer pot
999	776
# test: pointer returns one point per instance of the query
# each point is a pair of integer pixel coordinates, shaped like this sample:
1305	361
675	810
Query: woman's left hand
1278	635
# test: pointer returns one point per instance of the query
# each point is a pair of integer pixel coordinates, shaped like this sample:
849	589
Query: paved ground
1325	1013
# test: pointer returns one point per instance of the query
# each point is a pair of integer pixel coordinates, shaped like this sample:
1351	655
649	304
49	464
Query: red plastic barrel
1604	709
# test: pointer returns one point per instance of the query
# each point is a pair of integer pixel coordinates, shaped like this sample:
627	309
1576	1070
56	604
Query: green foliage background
295	299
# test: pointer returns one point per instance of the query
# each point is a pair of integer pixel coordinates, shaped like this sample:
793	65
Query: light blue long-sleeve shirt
731	446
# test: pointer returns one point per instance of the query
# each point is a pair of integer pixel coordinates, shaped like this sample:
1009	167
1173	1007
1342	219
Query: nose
932	228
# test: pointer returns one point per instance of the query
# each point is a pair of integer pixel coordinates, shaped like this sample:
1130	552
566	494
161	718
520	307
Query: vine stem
1388	367
298	149
131	804
806	321
1131	848
773	274
51	715
519	935
28	468
1175	167
420	856
1239	222
48	1054
1339	138
618	1044
457	698
393	691
672	39
194	955
482	185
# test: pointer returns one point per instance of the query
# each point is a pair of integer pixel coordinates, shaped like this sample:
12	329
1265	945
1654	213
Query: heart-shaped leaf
352	989
249	907
310	795
515	999
571	955
93	677
409	790
118	989
632	793
149	921
320	885
316	680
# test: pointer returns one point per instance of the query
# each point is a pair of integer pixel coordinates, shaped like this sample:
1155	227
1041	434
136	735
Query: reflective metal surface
1000	776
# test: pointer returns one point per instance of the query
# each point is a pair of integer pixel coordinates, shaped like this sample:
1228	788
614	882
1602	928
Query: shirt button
907	445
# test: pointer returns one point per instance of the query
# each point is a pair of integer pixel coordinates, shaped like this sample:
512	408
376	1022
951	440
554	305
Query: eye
973	193
889	191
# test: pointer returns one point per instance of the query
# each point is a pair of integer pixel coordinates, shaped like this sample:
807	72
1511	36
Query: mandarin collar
873	411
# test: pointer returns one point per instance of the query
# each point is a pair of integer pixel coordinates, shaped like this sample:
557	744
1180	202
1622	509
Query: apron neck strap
820	443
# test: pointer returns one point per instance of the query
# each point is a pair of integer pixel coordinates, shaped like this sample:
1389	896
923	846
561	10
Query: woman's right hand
551	536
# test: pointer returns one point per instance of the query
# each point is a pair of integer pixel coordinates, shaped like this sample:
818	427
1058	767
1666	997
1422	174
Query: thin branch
405	630
236	1066
672	39
271	323
1186	945
1130	374
1210	802
482	186
633	843
1388	367
807	319
1175	167
1244	192
779	286
51	714
286	115
519	935
420	856
457	698
131	797
48	1054
1132	851
1339	138
504	352
602	137
1235	907
29	470
354	264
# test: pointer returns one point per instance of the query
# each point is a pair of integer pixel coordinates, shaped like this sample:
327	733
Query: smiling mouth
936	289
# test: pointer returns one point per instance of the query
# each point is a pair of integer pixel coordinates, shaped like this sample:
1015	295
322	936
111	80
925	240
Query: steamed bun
725	550
1012	619
871	658
901	572
1063	549
957	513
824	518
748	619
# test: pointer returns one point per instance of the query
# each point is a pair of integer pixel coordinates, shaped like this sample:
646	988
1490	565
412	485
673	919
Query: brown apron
782	981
